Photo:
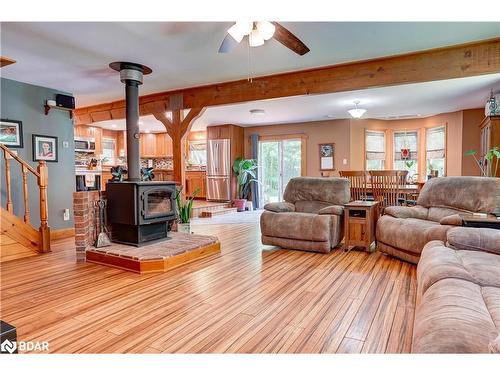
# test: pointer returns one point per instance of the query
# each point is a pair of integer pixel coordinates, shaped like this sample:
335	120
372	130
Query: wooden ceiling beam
459	61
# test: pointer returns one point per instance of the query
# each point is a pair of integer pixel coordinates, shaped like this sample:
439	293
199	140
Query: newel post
43	179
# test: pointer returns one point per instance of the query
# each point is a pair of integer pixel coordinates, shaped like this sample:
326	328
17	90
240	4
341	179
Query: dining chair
386	187
358	181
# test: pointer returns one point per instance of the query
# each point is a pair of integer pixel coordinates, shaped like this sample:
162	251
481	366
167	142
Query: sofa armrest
332	210
478	239
280	207
451	220
403	212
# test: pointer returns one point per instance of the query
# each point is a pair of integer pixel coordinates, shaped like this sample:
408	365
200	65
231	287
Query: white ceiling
404	101
74	57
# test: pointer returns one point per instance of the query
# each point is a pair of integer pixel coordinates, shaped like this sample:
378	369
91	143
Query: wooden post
7	158
44	244
177	128
25	191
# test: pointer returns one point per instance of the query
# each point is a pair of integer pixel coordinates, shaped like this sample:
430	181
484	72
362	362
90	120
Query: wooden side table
360	219
488	221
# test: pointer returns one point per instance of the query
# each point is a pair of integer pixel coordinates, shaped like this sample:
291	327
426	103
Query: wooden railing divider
41	174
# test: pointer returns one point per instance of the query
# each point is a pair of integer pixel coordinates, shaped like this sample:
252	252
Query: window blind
435	141
375	145
408	140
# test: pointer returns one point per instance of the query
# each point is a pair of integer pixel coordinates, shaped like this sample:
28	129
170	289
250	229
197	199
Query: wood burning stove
140	211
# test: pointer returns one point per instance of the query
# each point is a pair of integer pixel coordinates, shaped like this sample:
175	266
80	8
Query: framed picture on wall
327	156
44	147
11	133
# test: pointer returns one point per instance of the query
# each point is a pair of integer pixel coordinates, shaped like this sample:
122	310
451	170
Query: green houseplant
488	165
245	170
184	210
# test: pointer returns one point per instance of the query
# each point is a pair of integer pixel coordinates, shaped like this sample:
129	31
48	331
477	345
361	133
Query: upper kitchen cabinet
155	145
219	132
163	145
147	145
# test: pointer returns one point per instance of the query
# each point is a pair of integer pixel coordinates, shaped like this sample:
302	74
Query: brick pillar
85	221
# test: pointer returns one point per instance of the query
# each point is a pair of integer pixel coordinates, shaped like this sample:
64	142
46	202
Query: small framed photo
11	133
44	148
327	156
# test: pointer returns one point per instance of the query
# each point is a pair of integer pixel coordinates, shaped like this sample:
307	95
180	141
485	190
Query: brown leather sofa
310	218
403	231
458	294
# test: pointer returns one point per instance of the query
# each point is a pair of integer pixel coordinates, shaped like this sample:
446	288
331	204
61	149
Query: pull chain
249	79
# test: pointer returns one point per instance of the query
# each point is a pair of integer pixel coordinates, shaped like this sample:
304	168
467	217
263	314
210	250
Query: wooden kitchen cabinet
163	145
121	143
147	145
219	132
163	175
105	177
196	180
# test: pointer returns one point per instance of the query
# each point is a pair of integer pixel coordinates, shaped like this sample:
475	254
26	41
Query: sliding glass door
279	161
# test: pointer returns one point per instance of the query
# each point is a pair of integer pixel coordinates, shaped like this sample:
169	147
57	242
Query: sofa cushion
404	212
451	220
296	225
334	190
332	210
312	207
476	194
455	316
439	213
480	239
410	235
439	262
279	207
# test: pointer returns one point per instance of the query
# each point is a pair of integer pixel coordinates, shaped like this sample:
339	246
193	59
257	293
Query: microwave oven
84	144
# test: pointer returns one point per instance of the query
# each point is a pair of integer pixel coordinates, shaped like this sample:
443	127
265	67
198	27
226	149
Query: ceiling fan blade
4	61
289	40
228	44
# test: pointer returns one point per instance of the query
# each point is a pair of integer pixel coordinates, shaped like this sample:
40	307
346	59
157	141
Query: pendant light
240	29
356	112
255	39
266	29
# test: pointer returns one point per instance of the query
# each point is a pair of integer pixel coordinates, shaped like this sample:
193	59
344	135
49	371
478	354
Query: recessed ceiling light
147	131
140	122
257	112
330	116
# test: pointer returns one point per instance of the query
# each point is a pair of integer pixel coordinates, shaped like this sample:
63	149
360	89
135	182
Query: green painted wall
24	102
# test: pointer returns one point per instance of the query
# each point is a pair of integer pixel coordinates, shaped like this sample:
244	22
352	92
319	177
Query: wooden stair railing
41	174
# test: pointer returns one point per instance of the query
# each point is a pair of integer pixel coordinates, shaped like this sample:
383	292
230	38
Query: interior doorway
279	161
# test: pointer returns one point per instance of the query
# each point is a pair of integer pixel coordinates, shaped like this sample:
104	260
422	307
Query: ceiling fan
258	33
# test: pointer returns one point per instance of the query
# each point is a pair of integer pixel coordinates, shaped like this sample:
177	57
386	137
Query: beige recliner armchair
310	219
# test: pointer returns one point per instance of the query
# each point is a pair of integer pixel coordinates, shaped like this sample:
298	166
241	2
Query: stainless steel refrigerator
219	170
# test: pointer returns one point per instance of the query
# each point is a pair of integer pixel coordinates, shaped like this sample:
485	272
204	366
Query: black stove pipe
131	75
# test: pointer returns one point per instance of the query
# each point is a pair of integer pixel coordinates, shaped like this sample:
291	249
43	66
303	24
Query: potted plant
184	210
245	170
433	172
488	164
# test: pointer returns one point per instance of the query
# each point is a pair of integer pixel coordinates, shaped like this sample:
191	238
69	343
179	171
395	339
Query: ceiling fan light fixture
255	39
266	29
240	29
356	112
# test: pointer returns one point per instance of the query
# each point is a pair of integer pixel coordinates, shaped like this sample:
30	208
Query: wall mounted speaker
65	101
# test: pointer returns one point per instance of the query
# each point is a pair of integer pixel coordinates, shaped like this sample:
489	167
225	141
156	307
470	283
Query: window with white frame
375	150
435	148
406	140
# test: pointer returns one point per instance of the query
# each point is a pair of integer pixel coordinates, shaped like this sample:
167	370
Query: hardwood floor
248	299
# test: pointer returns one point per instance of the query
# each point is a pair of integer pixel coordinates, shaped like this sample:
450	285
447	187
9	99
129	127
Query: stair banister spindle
25	192
7	158
44	245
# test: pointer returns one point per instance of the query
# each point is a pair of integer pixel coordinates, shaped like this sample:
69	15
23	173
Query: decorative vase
184	227
240	204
